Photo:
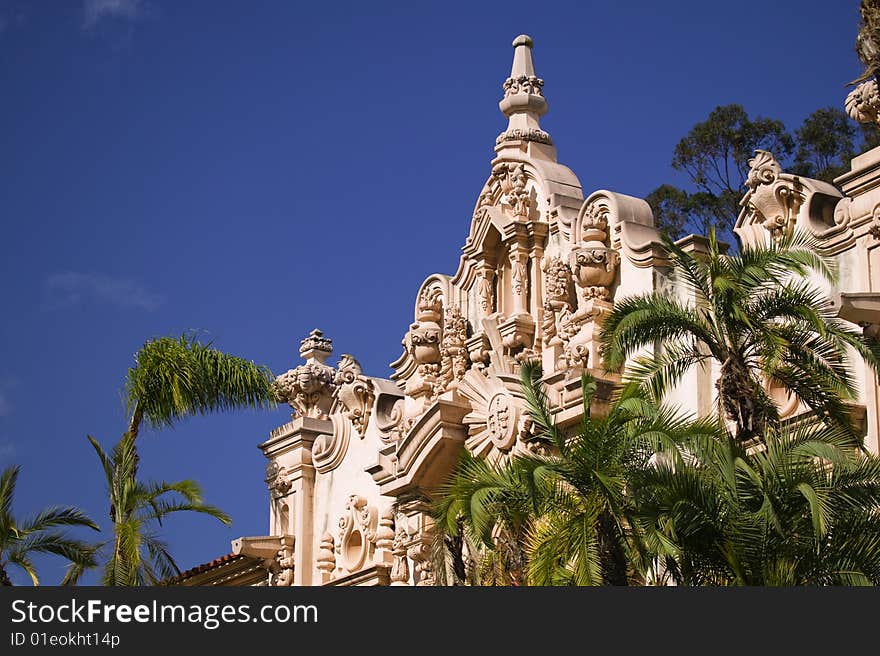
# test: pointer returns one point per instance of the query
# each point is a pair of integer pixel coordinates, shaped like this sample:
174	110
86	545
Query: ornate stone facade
351	475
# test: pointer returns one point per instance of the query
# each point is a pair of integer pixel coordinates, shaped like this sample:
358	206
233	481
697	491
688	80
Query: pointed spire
523	101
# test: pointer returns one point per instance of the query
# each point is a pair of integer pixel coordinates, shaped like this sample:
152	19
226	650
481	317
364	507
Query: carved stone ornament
592	262
423	339
356	535
874	230
523	84
391	420
277	480
773	198
309	387
519	275
517	134
385	532
282	574
400	565
453	353
492	424
328	450
419	530
512	179
556	326
354	392
326	558
486	289
863	103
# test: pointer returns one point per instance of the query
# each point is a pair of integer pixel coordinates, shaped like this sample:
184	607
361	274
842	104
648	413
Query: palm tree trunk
736	389
614	565
4	577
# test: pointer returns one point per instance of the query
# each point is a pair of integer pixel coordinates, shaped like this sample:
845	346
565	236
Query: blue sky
256	170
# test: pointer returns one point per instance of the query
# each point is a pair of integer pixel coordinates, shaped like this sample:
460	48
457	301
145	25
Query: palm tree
759	318
172	379
565	517
19	540
137	554
802	510
177	378
491	509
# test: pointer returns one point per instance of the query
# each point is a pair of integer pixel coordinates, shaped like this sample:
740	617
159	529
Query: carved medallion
499	420
493	424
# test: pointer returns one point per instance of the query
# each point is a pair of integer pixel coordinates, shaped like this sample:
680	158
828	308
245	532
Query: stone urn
593	268
424	336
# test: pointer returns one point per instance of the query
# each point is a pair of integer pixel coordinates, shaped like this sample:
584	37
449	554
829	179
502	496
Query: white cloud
71	288
96	10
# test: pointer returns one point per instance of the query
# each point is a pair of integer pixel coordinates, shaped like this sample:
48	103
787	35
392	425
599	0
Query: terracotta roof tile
200	569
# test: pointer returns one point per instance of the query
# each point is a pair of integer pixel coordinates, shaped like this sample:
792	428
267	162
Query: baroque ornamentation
519	275
400	564
874	230
328	450
390	418
423	339
863	103
517	134
284	570
557	326
357	533
308	388
593	263
773	199
326	558
277	480
355	392
523	84
385	532
486	289
512	179
454	355
492	424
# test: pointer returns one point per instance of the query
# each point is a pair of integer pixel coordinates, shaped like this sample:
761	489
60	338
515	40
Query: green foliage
177	378
802	510
826	143
137	555
172	379
714	156
758	318
563	515
20	539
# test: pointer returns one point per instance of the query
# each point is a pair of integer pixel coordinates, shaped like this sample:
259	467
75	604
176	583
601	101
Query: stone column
290	448
519	279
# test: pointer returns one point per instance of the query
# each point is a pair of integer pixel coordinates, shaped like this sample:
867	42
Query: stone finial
309	387
523	101
316	346
863	103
